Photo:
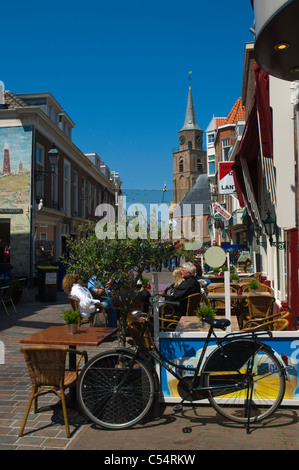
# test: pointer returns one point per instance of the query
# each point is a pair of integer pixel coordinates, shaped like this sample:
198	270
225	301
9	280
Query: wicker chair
262	321
220	304
134	326
259	307
169	321
46	366
75	306
281	324
261	288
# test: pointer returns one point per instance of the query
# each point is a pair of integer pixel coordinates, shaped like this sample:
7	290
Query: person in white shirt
73	286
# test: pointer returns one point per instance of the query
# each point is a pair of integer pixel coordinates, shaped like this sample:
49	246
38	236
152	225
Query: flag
164	189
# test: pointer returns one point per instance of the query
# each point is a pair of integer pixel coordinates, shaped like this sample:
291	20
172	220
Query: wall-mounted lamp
270	227
214	195
53	155
258	232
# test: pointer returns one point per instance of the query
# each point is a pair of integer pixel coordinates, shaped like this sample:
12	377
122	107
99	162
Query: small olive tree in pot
121	259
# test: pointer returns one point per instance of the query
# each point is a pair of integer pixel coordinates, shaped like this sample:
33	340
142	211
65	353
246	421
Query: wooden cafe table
59	335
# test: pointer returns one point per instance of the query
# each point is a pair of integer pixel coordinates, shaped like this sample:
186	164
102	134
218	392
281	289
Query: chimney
2	101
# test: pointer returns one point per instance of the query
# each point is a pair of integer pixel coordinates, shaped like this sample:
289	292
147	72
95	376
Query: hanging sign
226	184
219	209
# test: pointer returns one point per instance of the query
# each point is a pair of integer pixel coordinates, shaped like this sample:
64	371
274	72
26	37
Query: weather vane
189	77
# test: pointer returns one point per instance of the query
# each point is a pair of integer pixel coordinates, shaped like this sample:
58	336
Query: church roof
199	194
190	118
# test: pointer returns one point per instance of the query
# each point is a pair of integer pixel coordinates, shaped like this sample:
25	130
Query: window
66	187
39	166
211	165
54	190
181	165
211	138
199	165
83	198
75	194
225	149
89	196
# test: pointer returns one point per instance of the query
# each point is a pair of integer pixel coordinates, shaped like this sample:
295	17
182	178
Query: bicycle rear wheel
250	378
113	392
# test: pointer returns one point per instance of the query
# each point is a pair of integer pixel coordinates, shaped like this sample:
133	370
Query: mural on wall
15	166
15	195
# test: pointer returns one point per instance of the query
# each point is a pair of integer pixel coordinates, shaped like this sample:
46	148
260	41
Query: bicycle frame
196	384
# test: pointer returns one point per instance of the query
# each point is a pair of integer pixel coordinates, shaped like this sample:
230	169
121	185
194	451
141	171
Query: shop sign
226	184
219	209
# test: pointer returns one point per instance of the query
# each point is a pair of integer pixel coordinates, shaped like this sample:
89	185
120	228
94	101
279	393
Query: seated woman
73	286
177	274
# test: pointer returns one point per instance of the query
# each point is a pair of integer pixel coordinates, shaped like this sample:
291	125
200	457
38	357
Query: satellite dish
215	257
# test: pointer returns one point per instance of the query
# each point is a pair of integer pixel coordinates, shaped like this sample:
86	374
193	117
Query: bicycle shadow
203	416
192	418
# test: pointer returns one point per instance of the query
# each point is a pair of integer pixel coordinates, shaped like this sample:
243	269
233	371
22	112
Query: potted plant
205	311
253	285
216	271
234	277
72	319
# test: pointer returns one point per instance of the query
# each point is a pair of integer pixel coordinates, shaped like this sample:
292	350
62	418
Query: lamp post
270	227
53	155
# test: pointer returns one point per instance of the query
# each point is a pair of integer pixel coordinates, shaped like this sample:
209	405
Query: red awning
260	118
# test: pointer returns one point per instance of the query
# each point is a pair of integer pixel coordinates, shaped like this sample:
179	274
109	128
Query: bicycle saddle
222	323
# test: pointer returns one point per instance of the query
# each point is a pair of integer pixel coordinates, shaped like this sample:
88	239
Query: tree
123	260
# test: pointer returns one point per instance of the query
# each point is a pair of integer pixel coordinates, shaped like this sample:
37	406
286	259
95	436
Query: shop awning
257	138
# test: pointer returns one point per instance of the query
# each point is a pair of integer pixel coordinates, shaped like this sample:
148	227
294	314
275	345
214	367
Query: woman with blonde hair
177	274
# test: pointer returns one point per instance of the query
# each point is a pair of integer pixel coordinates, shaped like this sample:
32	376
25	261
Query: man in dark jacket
189	286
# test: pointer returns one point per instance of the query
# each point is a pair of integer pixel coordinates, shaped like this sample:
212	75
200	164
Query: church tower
189	161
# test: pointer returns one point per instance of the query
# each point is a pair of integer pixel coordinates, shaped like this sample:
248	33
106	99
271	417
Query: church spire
190	119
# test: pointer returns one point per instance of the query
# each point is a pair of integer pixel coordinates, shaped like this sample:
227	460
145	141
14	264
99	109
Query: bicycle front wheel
115	391
247	381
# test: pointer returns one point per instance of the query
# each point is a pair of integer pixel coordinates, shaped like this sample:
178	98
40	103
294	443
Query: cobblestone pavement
46	431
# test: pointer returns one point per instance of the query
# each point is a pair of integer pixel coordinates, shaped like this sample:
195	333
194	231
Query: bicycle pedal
187	430
177	408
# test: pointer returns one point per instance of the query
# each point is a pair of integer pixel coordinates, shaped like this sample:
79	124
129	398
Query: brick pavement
45	431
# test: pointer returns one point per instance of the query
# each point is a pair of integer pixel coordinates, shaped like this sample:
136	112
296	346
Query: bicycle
243	379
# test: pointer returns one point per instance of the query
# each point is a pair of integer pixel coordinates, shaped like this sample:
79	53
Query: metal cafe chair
6	296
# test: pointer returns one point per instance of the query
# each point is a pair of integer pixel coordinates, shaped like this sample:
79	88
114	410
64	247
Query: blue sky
120	70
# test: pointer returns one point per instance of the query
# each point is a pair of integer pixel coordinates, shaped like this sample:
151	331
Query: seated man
103	294
189	286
